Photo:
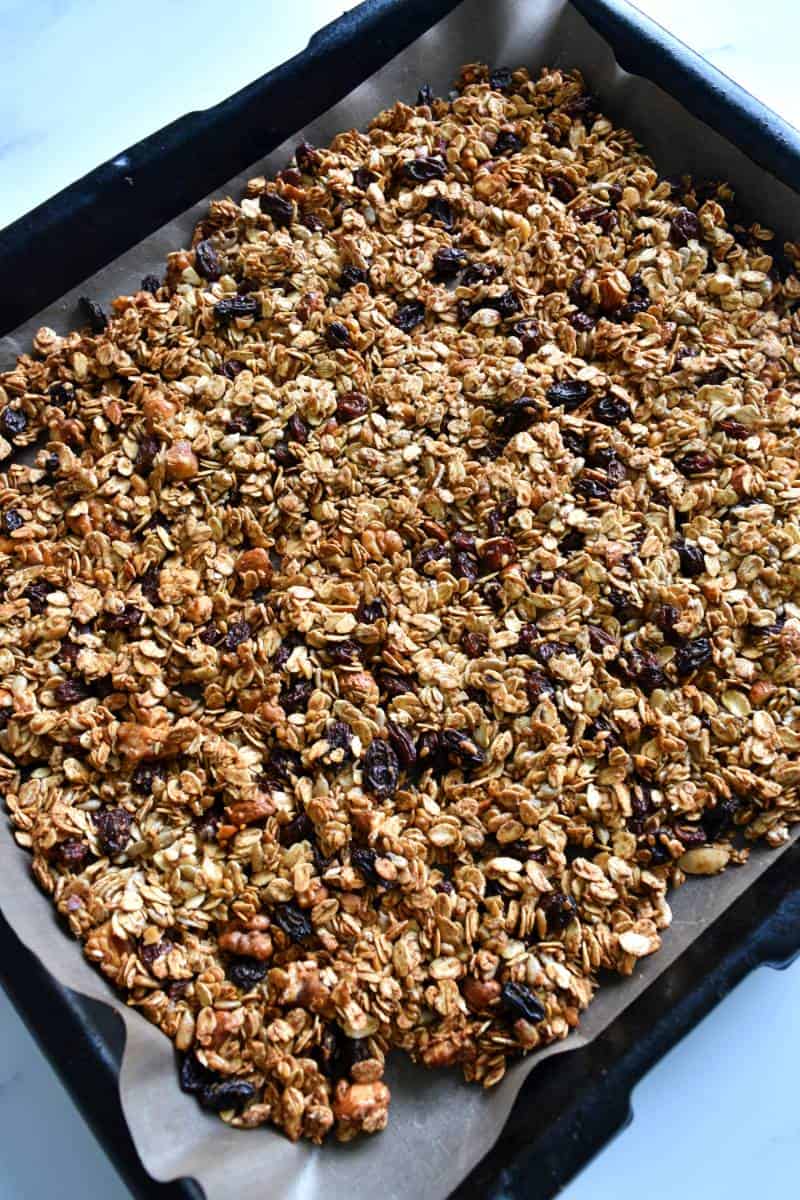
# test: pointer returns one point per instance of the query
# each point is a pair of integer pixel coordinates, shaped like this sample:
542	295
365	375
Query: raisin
563	189
592	489
297	430
691	656
507	142
12	520
538	687
381	769
528	637
13	421
420	170
150	951
441	210
462	750
734	429
430	752
226	1094
113	830
236	306
206	261
279	209
520	1001
337	336
350	276
363	177
500	79
665	618
125	621
583	322
147	453
611	410
692	559
717	821
312	222
299	829
480	272
61	394
292	921
306	157
558	908
717	375
601	727
283	764
529	334
393	684
425	96
497	553
449	261
402	744
683	226
194	1076
600	639
364	862
211	635
695	463
625	608
241	422
238	633
427	555
549	650
72	853
574	442
143	777
518	417
352	406
474	644
150	283
71	691
644	669
246	973
368	612
507	304
295	696
463	541
464	565
569	393
409	316
98	321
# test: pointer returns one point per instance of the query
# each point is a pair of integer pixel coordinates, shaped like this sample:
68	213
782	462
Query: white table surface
79	81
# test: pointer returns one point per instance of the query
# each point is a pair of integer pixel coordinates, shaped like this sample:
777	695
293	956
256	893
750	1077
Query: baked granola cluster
405	597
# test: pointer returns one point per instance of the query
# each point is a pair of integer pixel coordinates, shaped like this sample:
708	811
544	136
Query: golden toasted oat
404	596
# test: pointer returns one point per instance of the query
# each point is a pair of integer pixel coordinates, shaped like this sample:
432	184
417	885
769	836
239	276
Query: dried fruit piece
292	921
521	1001
278	208
113	830
206	261
234	307
612	410
568	393
449	261
225	1094
409	316
691	656
381	769
98	321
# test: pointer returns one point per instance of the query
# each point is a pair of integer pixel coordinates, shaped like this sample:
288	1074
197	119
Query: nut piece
360	1108
248	937
180	461
479	993
704	860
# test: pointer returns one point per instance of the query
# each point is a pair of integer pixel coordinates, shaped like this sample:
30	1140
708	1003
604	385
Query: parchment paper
439	1127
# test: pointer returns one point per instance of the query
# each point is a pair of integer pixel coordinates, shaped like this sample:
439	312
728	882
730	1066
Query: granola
404	597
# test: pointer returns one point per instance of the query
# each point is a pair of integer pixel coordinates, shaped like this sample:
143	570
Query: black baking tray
571	1104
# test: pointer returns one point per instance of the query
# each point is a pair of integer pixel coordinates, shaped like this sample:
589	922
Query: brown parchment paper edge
439	1127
